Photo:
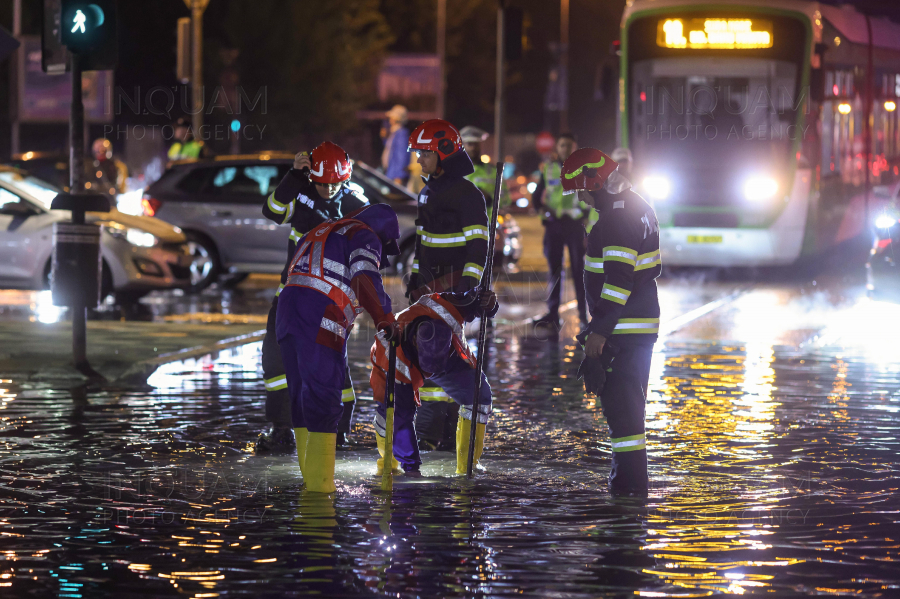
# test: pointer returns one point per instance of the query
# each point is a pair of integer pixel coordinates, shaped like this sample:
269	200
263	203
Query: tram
758	127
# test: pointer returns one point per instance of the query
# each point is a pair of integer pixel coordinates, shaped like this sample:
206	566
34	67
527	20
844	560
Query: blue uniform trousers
453	374
315	378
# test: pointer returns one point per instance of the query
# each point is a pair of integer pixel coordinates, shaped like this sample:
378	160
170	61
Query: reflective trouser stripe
276	383
348	395
484	413
632	443
433	394
380	425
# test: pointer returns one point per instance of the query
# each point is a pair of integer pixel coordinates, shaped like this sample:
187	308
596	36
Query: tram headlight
657	187
885	222
760	188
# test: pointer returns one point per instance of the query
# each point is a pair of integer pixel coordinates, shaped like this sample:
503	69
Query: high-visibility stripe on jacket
431	306
310	268
296	202
620	269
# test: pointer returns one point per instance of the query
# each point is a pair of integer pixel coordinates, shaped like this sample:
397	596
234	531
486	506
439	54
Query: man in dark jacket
620	272
311	193
451	250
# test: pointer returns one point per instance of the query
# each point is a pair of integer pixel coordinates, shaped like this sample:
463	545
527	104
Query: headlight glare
657	187
885	222
760	188
140	238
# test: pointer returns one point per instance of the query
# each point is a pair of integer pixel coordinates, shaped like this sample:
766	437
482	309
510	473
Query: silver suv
218	204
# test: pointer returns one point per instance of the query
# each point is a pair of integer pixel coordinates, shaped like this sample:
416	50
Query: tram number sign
704	239
714	34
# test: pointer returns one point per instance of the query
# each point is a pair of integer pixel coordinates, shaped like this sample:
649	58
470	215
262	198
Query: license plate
704	239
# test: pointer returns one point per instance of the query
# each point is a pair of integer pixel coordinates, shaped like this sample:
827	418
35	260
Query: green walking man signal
88	28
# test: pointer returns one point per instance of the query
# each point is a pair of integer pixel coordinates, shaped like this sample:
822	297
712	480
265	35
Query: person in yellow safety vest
563	217
185	146
485	174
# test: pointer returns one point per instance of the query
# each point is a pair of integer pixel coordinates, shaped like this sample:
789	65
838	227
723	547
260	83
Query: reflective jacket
621	267
484	177
408	371
192	149
339	260
296	202
548	196
452	229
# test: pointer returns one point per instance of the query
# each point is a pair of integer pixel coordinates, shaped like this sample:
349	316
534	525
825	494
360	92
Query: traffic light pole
76	175
197	7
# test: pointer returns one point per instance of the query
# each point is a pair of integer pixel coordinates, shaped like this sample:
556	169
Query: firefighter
303	201
563	219
450	252
333	276
620	273
106	173
485	174
433	346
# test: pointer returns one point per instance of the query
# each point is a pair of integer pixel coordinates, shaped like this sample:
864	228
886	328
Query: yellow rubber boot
301	435
379	469
318	468
463	431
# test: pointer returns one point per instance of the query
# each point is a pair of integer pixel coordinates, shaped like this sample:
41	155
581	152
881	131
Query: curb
139	372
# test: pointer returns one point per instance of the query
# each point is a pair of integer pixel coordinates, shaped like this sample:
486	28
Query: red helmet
330	164
588	169
436	135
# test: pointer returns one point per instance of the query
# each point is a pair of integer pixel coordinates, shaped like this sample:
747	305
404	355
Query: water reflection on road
773	446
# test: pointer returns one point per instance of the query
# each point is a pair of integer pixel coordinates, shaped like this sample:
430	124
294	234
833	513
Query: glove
390	330
593	370
486	303
594	375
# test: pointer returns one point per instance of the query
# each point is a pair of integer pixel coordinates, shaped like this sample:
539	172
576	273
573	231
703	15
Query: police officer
303	201
563	219
451	249
620	273
485	174
333	276
106	173
185	146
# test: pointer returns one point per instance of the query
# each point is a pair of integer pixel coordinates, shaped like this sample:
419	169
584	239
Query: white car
139	253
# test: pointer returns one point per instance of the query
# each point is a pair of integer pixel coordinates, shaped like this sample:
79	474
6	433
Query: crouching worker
334	276
433	347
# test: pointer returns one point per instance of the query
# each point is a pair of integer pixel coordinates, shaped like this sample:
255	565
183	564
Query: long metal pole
197	7
485	285
564	65
76	177
867	121
442	56
387	473
15	144
500	99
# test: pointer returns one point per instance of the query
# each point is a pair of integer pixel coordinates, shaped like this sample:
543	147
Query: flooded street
772	435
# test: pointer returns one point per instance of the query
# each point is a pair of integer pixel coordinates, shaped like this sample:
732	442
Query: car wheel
205	265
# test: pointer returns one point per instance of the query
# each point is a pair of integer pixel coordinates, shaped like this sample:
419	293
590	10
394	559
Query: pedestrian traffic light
88	29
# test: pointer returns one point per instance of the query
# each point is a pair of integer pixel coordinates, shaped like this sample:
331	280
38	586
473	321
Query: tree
317	62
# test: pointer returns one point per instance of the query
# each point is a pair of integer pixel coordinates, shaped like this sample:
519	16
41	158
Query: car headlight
760	188
885	222
657	187
133	236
